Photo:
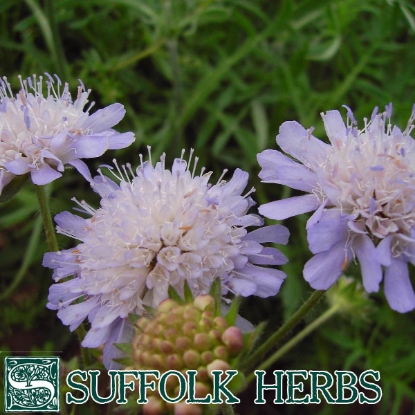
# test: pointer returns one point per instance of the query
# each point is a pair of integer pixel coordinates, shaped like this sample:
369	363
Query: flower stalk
309	304
227	409
296	339
42	194
43	198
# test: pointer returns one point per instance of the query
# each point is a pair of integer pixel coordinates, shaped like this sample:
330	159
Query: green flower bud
232	337
202	341
184	337
183	408
166	305
217	365
154	406
207	357
221	352
204	302
191	359
174	362
166	347
220	322
183	344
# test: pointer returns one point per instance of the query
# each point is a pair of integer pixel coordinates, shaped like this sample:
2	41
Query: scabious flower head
362	188
157	228
42	130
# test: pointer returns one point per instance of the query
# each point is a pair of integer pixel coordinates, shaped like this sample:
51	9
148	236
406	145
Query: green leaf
409	16
215	292
325	50
124	347
260	120
133	318
124	361
251	339
188	296
150	310
174	295
233	311
13	187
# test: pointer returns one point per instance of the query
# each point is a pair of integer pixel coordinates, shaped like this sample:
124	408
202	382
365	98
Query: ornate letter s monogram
31	384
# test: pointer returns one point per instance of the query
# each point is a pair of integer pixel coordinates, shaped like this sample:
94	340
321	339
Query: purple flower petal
121	332
267	280
328	231
61	295
250	247
105	316
249	220
5	178
71	224
295	140
278	168
398	288
384	255
323	269
283	209
237	183
104	118
334	126
74	314
268	256
82	168
44	175
96	337
48	155
89	146
60	143
18	166
55	260
243	287
369	264
275	233
120	140
316	216
104	186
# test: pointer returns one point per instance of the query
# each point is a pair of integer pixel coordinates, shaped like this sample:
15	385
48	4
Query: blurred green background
219	77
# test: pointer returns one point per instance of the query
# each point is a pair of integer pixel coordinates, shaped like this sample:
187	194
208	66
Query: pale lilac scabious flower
43	130
159	227
362	188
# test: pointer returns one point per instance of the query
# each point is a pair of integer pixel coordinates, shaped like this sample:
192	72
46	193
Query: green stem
227	409
86	363
284	329
43	198
63	404
296	339
27	260
86	357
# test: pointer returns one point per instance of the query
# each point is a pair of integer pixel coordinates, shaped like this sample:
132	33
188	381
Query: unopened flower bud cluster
184	337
